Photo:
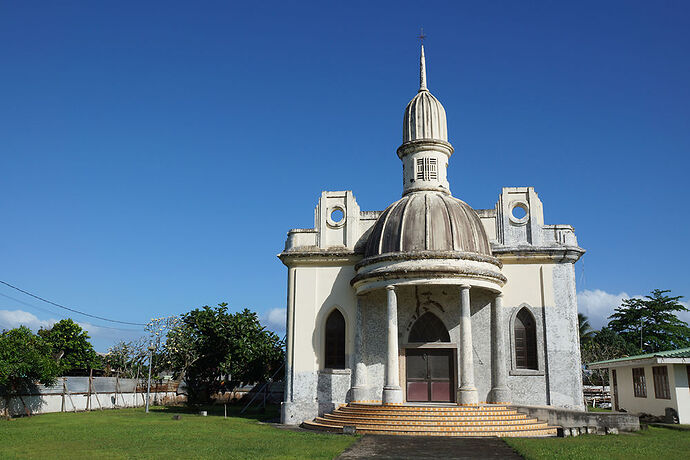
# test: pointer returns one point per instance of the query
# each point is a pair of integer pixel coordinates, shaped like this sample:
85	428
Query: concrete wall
43	404
678	385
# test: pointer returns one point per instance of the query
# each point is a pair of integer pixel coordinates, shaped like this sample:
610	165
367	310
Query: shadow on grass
271	413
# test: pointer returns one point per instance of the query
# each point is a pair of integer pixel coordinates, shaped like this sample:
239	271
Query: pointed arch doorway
429	362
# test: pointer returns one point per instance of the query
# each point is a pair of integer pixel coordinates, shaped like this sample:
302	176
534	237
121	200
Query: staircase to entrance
432	420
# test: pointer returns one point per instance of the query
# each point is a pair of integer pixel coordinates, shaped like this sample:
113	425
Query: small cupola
425	149
425	117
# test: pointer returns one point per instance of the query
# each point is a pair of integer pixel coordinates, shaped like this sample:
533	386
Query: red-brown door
429	375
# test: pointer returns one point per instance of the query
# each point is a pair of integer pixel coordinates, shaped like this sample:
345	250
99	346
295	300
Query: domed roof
425	117
428	221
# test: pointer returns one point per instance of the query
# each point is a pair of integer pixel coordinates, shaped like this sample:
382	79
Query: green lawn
653	443
130	433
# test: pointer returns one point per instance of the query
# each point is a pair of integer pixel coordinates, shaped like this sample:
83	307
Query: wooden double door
429	375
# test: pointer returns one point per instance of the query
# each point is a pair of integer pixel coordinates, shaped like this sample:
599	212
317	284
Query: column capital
500	295
465	286
391	287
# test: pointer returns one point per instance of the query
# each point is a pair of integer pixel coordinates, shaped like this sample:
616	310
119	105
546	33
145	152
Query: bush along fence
73	394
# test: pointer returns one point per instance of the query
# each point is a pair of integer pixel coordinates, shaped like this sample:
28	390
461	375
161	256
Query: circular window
519	212
336	216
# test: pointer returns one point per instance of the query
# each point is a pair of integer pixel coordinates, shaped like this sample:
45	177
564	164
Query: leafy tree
25	358
604	344
211	342
127	358
586	331
71	343
652	322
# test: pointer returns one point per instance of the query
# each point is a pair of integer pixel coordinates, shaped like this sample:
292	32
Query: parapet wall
579	419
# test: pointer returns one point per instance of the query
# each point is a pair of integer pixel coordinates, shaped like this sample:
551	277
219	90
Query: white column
467	393
290	336
392	393
499	367
359	379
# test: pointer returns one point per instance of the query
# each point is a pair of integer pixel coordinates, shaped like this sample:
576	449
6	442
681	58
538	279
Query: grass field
654	443
130	433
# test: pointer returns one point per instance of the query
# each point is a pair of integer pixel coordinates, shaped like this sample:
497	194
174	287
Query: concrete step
429	408
426	422
442	420
413	413
535	431
363	424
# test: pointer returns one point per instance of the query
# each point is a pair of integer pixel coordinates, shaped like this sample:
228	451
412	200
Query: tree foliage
652	322
128	359
25	358
71	344
211	342
653	319
604	344
586	331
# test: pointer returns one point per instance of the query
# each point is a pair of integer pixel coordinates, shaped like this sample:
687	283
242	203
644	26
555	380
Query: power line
45	310
70	309
61	315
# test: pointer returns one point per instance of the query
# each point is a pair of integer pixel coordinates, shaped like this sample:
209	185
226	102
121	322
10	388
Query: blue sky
154	154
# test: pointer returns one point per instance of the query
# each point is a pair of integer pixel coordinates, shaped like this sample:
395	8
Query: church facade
430	300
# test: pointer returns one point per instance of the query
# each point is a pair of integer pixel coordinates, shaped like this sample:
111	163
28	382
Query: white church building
430	300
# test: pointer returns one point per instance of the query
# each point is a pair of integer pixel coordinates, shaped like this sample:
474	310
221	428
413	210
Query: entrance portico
420	365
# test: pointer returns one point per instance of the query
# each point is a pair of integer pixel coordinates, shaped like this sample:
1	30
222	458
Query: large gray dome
428	221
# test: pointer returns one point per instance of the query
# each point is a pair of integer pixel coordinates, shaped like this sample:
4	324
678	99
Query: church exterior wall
563	341
317	291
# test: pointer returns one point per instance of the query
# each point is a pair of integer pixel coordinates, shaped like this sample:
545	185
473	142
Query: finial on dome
422	72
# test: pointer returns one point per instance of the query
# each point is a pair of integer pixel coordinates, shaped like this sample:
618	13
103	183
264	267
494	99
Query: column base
358	394
499	395
296	412
467	396
392	395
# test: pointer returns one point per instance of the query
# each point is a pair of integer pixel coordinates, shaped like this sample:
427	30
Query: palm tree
586	331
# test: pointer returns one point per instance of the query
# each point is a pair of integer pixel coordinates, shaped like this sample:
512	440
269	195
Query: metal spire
422	63
422	72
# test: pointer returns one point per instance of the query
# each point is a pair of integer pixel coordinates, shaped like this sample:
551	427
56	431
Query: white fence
73	394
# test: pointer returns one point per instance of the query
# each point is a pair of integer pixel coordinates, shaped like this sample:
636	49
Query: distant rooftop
660	356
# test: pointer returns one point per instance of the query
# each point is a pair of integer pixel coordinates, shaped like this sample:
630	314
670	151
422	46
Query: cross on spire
421	35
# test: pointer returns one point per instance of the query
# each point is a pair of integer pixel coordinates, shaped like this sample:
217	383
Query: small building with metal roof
651	383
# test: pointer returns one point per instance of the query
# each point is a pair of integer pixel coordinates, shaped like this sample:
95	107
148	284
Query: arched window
525	340
335	341
429	328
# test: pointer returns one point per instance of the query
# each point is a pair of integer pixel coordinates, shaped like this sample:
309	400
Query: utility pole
148	387
641	335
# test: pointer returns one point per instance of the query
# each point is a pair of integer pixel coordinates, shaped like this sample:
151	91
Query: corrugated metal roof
679	353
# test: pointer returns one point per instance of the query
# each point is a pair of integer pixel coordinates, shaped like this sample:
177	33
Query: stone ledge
346	371
568	418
